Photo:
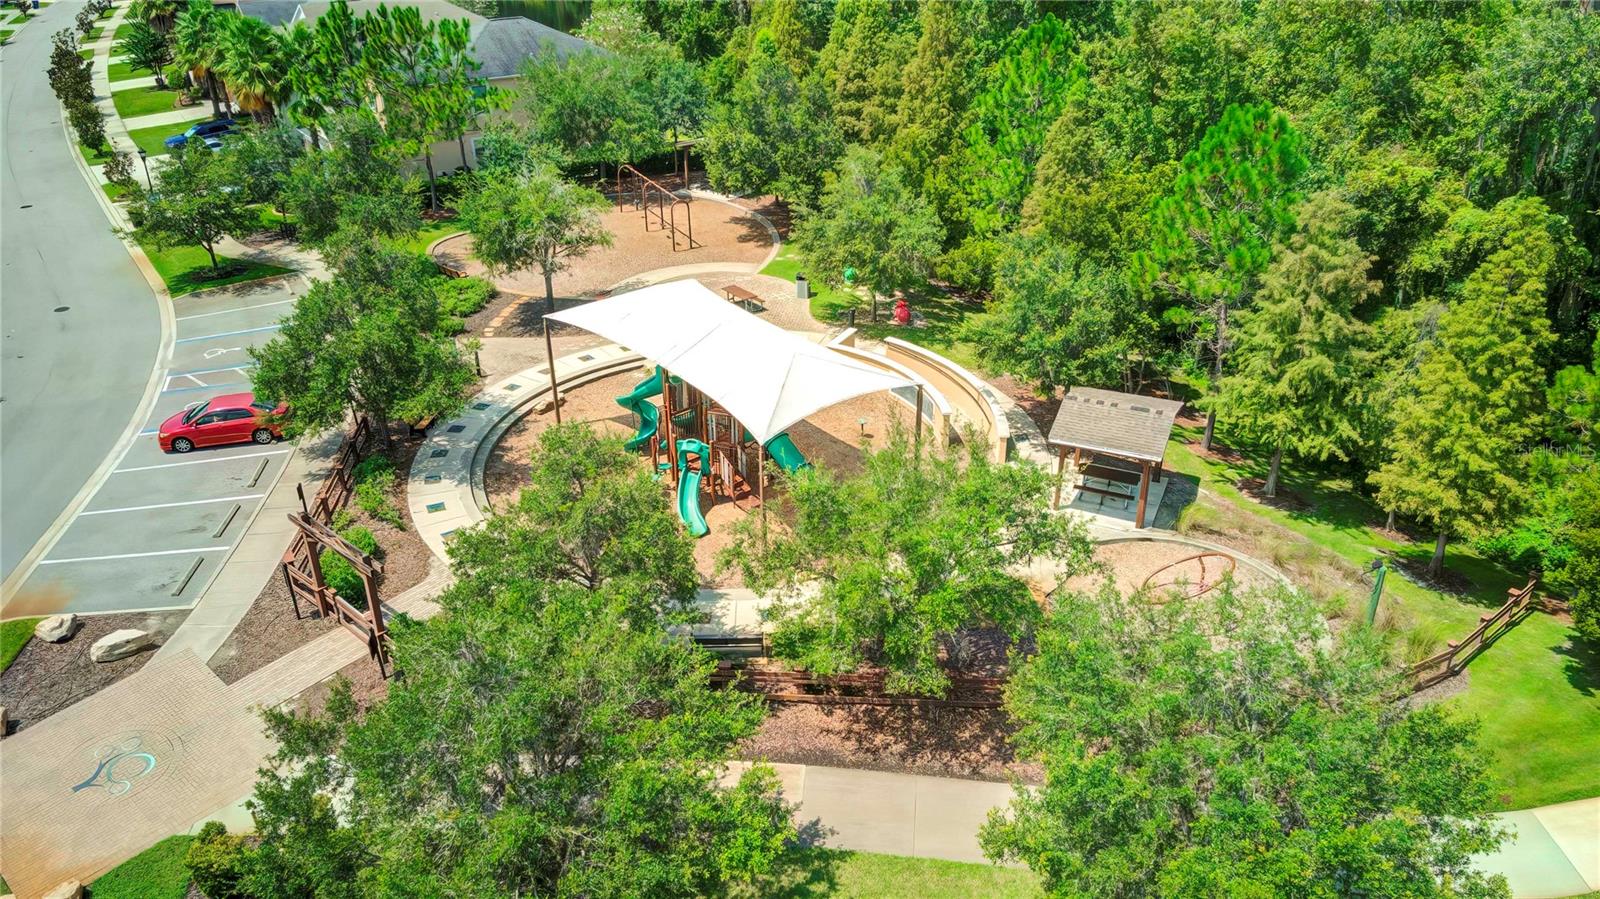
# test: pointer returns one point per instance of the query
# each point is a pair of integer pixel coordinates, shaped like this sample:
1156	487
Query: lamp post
146	163
1378	571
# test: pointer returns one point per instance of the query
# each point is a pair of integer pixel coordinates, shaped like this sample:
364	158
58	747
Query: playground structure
1210	569
730	385
726	457
655	199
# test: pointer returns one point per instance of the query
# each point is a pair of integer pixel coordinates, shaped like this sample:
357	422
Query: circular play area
1168	568
724	234
719	465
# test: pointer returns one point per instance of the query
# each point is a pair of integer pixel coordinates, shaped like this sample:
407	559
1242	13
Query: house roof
766	377
1125	425
502	45
272	12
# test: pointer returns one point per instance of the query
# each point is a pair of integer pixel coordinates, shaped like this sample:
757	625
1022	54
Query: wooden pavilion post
550	355
1061	474
1144	493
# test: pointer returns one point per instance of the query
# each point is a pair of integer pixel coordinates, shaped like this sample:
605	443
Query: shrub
342	520
216	861
87	121
460	297
119	169
341	575
374	479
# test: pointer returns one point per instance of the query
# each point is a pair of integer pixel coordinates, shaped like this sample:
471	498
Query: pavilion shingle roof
1126	425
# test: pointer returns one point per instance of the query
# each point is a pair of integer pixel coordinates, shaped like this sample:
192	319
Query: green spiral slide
638	402
786	454
689	486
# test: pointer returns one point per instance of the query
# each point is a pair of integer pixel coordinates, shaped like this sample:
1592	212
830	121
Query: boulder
56	628
121	644
69	890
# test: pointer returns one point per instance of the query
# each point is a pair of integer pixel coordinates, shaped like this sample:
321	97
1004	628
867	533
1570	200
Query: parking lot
157	530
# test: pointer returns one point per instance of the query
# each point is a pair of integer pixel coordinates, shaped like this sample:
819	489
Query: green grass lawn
942	311
150	139
14	634
188	269
123	30
859	875
114	191
123	71
93	35
432	231
86	53
139	101
156	873
96	158
1536	691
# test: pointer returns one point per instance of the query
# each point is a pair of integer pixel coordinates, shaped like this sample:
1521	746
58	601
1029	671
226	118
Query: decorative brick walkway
151	756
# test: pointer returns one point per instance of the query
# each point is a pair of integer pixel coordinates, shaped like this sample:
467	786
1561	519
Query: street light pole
146	163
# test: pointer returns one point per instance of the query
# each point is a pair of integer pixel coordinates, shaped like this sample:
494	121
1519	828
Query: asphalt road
81	326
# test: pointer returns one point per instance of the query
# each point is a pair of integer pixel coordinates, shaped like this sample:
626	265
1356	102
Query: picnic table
748	300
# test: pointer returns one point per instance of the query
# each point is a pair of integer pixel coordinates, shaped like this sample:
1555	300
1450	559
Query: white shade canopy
764	376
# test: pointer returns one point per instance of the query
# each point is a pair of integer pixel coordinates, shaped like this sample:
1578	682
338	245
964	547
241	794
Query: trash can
802	287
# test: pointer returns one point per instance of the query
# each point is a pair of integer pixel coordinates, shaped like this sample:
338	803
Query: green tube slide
786	454
689	487
638	402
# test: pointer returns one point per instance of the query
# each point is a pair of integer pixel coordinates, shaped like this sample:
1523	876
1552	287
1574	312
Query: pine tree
868	47
1459	438
1298	370
1212	236
935	91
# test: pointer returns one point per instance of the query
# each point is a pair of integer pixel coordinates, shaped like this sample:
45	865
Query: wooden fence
1457	654
302	564
864	688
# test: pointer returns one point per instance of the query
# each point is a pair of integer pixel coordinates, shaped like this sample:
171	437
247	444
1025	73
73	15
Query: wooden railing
1457	654
864	688
302	567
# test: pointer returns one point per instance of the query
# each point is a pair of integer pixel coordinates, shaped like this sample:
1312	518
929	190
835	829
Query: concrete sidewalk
1555	852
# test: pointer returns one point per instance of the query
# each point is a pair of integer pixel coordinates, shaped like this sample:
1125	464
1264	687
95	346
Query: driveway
81	328
155	532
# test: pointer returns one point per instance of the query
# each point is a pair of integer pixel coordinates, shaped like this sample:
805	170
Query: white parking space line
228	334
210	371
204	461
184	318
192	502
207	387
159	552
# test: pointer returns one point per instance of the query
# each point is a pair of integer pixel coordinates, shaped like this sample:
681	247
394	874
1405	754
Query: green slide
786	454
638	402
689	487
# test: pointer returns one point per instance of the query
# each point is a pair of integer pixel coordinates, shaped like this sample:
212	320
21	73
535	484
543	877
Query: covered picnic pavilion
744	379
1118	442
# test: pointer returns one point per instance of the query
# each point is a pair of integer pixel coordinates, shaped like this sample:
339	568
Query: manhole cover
61	308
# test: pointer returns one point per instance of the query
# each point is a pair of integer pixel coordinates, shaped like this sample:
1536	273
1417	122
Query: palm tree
253	66
197	45
158	14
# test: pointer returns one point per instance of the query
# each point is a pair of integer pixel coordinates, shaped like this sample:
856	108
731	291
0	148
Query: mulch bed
47	677
969	743
1448	581
1286	500
269	630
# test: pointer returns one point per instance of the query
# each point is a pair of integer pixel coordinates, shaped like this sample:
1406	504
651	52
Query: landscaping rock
56	628
69	890
4	722
121	644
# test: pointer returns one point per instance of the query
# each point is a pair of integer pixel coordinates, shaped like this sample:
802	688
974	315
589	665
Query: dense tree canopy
1232	746
889	566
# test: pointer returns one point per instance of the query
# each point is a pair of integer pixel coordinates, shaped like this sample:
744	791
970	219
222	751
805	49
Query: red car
235	418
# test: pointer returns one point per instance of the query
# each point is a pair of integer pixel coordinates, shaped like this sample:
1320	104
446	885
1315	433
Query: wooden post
550	354
1061	474
761	487
1144	492
666	422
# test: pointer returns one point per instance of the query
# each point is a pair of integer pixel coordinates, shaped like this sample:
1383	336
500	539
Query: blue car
202	130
